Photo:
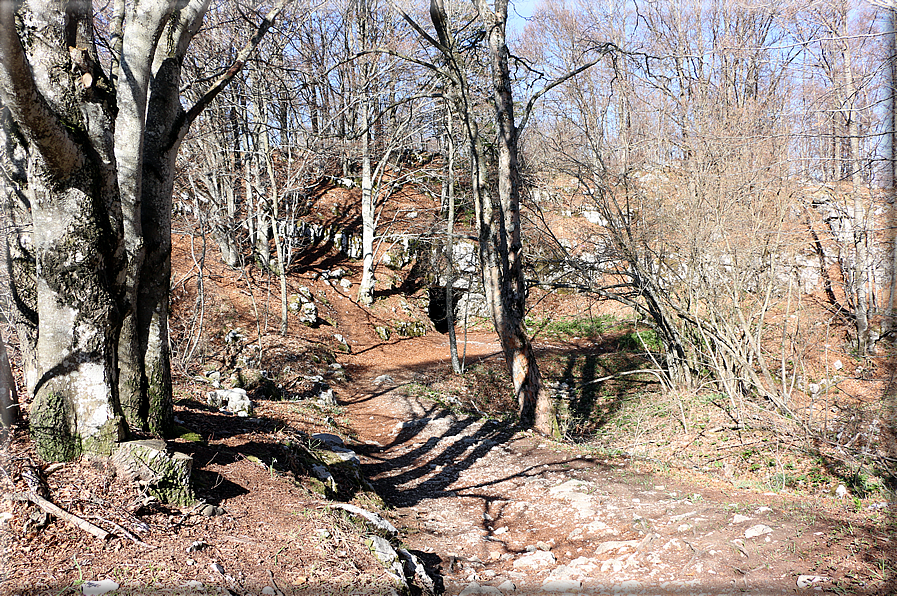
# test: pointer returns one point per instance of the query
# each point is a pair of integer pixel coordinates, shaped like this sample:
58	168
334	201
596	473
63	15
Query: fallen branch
125	533
654	371
65	515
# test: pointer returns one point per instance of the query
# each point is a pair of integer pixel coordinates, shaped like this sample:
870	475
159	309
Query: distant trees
694	149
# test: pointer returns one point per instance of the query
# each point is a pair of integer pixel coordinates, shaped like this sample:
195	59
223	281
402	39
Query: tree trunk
501	248
9	400
449	242
366	288
91	211
861	308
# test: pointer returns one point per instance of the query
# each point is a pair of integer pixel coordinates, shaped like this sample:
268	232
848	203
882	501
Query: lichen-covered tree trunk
67	224
88	162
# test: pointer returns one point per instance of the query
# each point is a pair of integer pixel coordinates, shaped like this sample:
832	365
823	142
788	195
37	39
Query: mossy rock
256	383
411	328
167	476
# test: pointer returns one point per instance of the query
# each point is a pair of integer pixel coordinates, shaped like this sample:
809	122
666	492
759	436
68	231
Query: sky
518	11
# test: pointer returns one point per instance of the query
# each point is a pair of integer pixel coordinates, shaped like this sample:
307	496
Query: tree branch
607	48
222	81
28	106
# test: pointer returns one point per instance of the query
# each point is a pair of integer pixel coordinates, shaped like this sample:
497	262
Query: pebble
95	588
758	530
507	586
805	582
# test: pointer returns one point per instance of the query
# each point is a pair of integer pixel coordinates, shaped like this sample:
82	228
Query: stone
217	568
308	314
345	284
386	554
758	530
268	591
414	568
805	582
536	560
166	476
507	586
343	344
740	519
95	588
562	585
326	397
376	520
383	380
410	328
323	474
616	545
235	401
196	545
329	439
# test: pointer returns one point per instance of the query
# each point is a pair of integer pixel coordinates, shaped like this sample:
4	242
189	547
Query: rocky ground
498	511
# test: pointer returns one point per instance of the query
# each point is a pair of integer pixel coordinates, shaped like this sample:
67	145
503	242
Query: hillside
653	491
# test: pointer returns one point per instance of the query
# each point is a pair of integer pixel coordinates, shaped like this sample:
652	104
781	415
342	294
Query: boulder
235	401
166	475
308	314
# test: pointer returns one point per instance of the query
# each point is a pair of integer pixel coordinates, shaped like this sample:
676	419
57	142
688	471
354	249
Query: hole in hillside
437	308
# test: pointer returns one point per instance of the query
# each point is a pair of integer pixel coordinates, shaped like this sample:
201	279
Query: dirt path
498	512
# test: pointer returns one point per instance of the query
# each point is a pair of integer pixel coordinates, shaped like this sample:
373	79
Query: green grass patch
572	326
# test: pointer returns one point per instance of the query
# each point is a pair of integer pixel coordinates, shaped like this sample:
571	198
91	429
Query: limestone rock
167	476
416	570
376	520
308	314
95	588
387	555
758	530
235	401
537	559
562	585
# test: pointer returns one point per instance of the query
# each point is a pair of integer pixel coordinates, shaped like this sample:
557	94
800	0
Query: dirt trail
502	512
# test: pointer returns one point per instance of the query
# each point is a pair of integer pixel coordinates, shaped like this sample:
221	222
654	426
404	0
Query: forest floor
651	493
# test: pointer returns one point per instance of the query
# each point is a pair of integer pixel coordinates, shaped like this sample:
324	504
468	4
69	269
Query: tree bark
501	247
9	400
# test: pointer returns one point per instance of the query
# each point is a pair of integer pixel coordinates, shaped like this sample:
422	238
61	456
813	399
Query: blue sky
523	8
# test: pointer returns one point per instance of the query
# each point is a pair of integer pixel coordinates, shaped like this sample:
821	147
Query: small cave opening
437	310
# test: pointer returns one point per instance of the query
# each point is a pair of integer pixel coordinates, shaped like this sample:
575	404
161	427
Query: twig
277	590
654	371
126	534
65	515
